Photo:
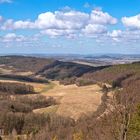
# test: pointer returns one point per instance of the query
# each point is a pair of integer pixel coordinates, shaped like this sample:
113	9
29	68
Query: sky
70	26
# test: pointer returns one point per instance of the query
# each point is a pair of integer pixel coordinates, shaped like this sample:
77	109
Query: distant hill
23	63
48	68
60	70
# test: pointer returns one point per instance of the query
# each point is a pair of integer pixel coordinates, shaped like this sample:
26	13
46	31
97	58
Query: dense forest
59	70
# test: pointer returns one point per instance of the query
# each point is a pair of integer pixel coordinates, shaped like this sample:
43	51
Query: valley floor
73	101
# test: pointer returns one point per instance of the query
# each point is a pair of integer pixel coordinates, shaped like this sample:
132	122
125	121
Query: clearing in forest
73	101
76	101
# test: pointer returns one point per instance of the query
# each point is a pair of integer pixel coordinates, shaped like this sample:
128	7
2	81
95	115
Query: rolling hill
105	106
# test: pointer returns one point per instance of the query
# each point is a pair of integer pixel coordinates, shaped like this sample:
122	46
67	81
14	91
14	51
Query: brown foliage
16	88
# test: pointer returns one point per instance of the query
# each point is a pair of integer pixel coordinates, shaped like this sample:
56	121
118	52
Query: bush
84	82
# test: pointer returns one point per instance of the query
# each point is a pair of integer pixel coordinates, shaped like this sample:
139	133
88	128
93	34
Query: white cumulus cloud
65	23
100	17
62	20
115	33
132	22
94	29
10	37
10	24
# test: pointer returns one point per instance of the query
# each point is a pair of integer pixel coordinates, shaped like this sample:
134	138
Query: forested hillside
117	117
25	64
59	70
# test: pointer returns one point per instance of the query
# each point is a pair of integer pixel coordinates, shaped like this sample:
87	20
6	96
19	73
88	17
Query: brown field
74	101
24	73
5	71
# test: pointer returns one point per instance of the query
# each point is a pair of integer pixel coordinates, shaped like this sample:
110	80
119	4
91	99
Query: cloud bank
65	23
74	24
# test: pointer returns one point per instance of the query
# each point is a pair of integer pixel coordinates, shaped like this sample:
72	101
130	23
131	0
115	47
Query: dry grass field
5	71
76	101
48	110
73	101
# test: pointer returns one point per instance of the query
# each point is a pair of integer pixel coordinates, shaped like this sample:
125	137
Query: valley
73	101
45	97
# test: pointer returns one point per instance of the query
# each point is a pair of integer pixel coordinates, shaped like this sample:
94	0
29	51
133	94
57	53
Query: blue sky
68	26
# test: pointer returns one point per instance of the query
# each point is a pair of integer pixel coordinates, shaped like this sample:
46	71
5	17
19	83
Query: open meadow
73	101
